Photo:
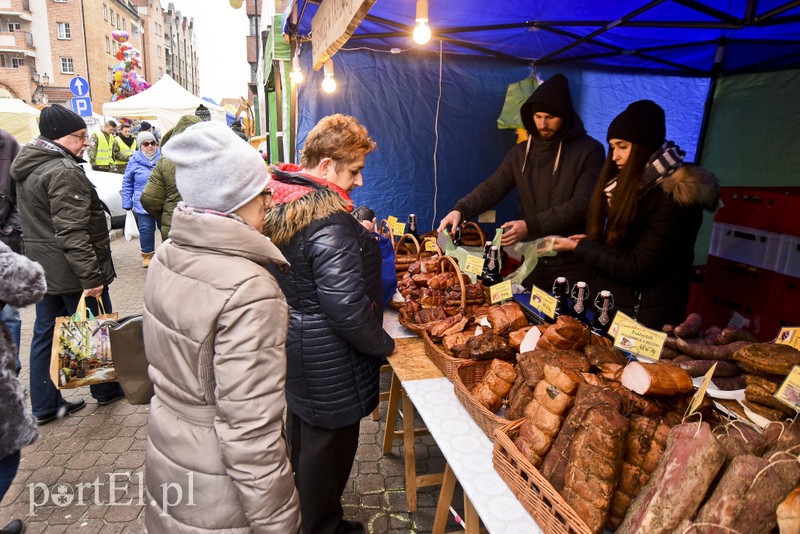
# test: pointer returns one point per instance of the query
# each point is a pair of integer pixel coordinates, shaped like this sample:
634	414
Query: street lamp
41	81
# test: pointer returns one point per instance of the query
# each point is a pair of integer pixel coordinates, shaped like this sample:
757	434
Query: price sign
392	220
619	320
697	400
473	265
789	392
543	301
500	292
640	340
399	228
430	246
789	336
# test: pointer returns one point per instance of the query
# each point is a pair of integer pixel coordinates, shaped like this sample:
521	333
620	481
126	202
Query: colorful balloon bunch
126	81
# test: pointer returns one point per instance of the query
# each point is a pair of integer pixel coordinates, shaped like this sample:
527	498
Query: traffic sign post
79	86
82	106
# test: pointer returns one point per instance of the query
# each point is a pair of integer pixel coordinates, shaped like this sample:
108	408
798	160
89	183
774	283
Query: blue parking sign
82	106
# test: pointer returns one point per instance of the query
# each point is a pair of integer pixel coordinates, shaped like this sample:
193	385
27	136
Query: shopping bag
131	230
130	361
81	352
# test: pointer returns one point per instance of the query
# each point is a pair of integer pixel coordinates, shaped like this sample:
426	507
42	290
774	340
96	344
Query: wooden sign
332	26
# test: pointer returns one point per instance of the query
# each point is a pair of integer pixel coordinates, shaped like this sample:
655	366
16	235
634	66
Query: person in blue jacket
133	182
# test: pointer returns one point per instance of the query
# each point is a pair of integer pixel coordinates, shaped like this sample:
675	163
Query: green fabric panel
753	136
273	129
281	49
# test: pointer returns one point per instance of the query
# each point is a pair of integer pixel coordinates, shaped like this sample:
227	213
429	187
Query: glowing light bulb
328	83
296	75
422	32
236	4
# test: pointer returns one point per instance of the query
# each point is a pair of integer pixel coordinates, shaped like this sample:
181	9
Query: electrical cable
436	135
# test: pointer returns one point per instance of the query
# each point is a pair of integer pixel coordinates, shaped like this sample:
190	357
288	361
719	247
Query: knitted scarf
661	164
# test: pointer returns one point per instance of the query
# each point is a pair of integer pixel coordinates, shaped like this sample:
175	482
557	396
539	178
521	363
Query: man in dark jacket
336	341
10	228
64	229
554	173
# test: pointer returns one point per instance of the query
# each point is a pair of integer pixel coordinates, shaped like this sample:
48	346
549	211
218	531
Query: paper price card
789	392
392	220
790	336
473	265
543	301
430	246
399	228
619	320
640	340
697	400
500	292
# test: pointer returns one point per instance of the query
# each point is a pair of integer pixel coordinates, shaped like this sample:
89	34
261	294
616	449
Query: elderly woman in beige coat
215	324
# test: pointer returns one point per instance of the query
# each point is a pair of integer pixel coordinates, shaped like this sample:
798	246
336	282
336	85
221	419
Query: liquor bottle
561	293
487	249
457	236
412	226
580	293
602	316
491	272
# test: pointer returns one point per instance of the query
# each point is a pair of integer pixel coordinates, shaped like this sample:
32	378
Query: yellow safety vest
124	150
102	155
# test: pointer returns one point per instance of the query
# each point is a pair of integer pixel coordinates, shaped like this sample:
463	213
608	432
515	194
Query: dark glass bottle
561	293
487	249
457	236
580	293
412	226
602	312
491	269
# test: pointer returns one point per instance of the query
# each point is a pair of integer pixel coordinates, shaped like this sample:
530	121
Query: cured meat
789	513
506	317
519	397
725	504
657	378
695	368
451	325
679	484
451	340
739	437
495	385
532	363
566	333
443	281
600	354
485	347
515	338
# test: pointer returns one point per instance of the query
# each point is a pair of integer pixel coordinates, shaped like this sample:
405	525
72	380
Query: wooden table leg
391	414
445	499
408	452
471	520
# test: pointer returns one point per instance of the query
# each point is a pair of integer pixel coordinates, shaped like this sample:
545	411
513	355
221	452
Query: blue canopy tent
724	71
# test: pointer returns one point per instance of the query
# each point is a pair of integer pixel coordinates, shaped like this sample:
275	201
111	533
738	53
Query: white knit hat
214	168
144	136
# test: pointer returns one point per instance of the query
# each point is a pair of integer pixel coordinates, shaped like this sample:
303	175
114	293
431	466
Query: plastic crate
750	246
773	209
787	261
783	309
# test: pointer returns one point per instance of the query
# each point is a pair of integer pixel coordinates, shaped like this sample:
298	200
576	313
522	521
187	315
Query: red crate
773	209
784	303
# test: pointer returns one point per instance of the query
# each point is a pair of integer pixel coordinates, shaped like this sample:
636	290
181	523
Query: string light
328	83
236	4
296	75
422	32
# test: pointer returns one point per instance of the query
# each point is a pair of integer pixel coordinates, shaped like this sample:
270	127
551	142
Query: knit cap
552	97
56	121
145	126
642	123
144	136
214	168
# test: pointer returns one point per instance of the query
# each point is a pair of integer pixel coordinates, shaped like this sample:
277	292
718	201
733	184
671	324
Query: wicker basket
425	253
446	363
467	376
538	497
407	259
474	241
418	329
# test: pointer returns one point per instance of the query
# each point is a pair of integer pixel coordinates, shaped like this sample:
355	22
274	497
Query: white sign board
332	26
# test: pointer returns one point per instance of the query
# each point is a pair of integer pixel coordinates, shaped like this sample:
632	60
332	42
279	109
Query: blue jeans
8	470
147	231
10	315
45	398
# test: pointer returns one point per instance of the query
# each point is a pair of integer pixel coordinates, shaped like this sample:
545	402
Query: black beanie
145	126
552	97
56	121
642	123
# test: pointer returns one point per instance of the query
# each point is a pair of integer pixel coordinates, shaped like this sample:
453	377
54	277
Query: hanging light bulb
236	4
328	83
296	75
422	32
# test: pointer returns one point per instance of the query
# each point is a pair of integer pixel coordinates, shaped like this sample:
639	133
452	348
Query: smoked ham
656	379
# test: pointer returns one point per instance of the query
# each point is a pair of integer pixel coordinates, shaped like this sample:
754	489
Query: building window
66	66
60	1
158	51
160	73
124	25
3	61
14	26
105	12
17	62
110	74
108	46
63	30
112	17
118	27
255	22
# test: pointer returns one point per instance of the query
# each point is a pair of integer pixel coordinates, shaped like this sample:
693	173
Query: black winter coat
63	223
649	273
336	340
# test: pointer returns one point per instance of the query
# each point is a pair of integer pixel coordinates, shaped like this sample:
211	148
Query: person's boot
146	258
15	527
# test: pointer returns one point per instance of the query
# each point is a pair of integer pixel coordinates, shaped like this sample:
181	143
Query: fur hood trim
692	185
284	221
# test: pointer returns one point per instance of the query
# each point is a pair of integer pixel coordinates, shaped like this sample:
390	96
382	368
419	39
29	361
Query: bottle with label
561	293
580	293
487	249
412	226
603	305
457	236
491	269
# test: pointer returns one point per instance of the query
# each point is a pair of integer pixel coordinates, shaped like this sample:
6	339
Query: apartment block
181	58
156	38
17	52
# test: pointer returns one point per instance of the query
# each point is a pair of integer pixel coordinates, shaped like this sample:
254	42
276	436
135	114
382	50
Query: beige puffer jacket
214	329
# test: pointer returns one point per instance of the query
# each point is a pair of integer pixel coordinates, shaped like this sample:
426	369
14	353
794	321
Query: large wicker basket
446	363
473	238
467	376
538	497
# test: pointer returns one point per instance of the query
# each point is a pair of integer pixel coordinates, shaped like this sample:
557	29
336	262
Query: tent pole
295	49
277	72
716	69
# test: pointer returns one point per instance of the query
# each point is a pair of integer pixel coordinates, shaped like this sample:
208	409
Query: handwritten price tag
789	392
399	228
619	320
789	336
640	340
697	400
543	301
500	292
430	246
392	220
473	265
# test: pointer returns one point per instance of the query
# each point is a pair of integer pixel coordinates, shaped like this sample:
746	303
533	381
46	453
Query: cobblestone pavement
107	444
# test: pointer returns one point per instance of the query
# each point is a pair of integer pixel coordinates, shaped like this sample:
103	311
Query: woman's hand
565	244
370	225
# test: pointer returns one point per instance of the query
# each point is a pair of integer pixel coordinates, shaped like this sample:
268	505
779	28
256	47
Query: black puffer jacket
336	339
652	267
63	222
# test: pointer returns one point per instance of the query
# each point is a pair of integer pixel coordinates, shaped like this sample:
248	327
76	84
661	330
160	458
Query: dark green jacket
63	222
160	195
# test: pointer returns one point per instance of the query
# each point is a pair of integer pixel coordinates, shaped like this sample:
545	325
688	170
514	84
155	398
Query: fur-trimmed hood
692	185
299	199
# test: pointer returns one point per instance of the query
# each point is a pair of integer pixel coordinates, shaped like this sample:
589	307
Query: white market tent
19	119
165	101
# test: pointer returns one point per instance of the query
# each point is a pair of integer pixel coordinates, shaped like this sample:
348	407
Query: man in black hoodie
554	173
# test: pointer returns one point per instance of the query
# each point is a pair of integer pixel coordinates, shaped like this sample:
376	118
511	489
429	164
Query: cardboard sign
333	24
430	246
543	301
399	228
789	336
392	220
697	400
619	320
789	392
473	265
500	292
640	340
